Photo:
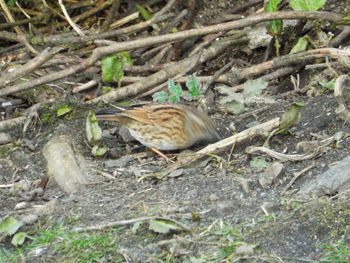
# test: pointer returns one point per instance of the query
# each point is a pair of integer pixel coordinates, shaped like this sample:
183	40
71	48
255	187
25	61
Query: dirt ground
210	194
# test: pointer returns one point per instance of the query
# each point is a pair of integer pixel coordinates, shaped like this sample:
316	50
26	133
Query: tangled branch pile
53	49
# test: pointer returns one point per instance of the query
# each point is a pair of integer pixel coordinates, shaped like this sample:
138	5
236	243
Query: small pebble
213	198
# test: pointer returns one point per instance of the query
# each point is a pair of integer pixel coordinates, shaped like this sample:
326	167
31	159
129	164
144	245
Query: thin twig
69	20
128	222
296	176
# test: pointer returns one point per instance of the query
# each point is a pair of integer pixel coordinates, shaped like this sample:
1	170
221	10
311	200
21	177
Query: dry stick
85	86
128	222
7	125
165	74
216	75
239	137
342	37
282	156
78	18
296	176
70	39
111	13
242	7
129	45
201	79
30	66
21	37
69	20
267	77
290	59
174	22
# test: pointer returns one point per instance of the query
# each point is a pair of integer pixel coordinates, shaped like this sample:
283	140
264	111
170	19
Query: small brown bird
164	126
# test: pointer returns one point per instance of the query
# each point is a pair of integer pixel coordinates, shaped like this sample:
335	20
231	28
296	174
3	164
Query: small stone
21	205
176	173
5	138
270	174
213	198
226	207
307	146
244	250
125	134
121	162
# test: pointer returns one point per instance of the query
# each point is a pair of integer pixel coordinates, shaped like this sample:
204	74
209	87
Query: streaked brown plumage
165	126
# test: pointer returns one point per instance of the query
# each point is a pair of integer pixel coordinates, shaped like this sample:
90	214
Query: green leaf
290	118
193	86
253	88
300	46
328	85
275	27
160	96
175	91
144	13
346	17
18	238
93	130
232	101
99	151
10	225
307	5
11	3
112	69
125	57
63	110
163	226
108	68
272	5
259	162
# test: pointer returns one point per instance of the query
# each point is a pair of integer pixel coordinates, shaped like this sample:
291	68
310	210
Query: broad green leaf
112	69
193	86
108	68
125	57
272	5
11	3
144	13
18	238
259	162
275	27
93	130
10	225
290	118
98	151
233	102
175	91
63	110
300	46
163	226
346	17
160	96
307	5
253	88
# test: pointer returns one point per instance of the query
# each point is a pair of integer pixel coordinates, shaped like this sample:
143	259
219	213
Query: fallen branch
128	222
260	129
100	52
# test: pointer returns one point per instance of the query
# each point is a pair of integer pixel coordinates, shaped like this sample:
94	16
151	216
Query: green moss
326	218
4	150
